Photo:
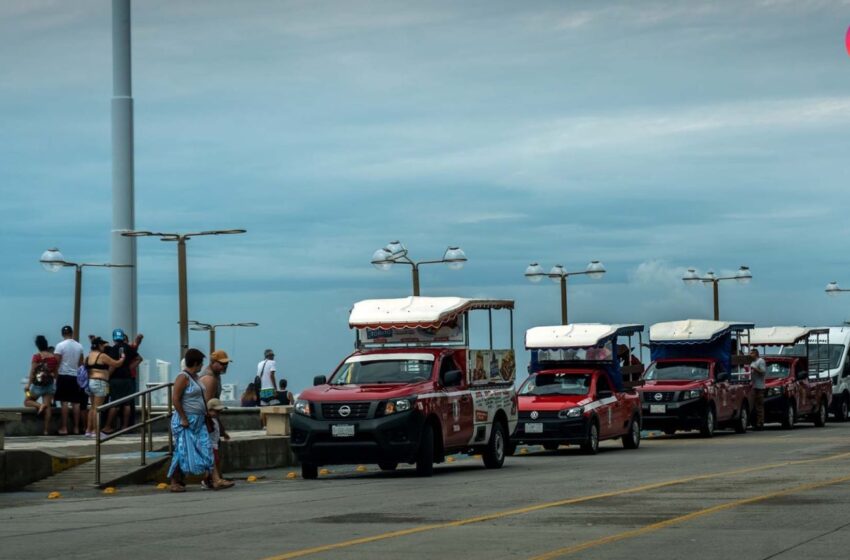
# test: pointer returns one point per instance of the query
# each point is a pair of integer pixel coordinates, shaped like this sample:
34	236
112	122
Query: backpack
258	379
41	375
83	377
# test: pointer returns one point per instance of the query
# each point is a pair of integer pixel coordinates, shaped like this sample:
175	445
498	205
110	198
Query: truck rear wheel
591	444
709	422
820	415
309	471
841	411
494	454
425	455
789	417
632	439
743	419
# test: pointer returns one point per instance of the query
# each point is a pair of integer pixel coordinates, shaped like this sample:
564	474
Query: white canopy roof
416	311
690	330
576	335
780	336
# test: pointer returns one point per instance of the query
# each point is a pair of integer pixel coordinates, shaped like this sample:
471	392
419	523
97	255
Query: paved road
773	494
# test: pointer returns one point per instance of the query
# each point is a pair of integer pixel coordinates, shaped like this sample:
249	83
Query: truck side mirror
452	378
604	394
802	374
319	380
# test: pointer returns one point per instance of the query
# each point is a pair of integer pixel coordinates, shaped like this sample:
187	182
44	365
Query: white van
839	370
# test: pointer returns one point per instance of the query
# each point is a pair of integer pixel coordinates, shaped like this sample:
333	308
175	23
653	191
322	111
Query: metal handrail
147	420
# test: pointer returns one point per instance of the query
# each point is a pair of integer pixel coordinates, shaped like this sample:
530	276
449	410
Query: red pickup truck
412	392
690	383
796	386
575	393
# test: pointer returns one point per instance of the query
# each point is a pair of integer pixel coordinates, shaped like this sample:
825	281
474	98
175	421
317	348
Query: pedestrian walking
121	382
100	366
192	448
217	433
265	380
69	352
211	377
758	371
41	382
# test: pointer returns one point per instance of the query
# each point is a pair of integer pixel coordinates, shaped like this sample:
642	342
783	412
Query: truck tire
510	448
742	420
632	439
789	416
494	453
591	443
709	422
425	454
841	412
820	415
309	471
388	466
551	446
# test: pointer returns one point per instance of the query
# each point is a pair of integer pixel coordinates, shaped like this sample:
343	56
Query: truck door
804	387
725	400
607	410
459	417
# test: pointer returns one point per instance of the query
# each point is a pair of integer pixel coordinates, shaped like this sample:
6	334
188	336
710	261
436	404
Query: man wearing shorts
265	371
69	352
121	382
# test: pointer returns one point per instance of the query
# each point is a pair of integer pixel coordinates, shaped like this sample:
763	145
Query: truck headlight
397	405
691	394
774	391
303	407
575	412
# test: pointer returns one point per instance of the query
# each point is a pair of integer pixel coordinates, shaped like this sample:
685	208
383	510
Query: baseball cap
268	352
67	330
220	356
215	404
118	335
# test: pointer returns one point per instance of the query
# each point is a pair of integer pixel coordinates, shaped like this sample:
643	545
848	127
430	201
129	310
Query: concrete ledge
20	467
267	452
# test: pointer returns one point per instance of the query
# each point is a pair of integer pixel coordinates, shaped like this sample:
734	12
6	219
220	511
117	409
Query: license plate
657	408
342	430
534	428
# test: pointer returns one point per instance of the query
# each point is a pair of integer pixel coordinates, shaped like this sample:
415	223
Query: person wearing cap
217	433
211	377
267	385
121	383
69	352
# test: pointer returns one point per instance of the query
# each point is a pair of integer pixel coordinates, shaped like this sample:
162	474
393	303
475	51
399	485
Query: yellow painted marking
567	550
537	507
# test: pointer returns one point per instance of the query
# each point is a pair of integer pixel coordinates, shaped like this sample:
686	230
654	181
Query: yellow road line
567	550
537	507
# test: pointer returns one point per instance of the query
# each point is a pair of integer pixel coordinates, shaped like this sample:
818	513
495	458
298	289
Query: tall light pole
123	293
559	274
396	253
742	276
183	297
52	260
198	326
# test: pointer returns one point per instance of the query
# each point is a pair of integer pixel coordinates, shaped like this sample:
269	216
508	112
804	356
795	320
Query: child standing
217	433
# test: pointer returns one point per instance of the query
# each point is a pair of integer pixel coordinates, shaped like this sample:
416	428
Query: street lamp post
198	326
742	276
833	289
396	253
52	260
183	297
558	273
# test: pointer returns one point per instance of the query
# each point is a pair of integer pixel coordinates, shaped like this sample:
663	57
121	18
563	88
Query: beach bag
83	377
258	379
41	375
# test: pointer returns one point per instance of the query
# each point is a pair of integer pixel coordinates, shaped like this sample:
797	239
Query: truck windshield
777	370
556	384
382	371
833	352
681	371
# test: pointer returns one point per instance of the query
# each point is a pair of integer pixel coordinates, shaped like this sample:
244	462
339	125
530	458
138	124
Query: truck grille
541	415
666	396
359	410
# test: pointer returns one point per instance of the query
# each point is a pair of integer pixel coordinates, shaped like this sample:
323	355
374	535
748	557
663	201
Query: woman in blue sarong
192	448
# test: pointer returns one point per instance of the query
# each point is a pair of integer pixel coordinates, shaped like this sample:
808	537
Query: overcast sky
650	135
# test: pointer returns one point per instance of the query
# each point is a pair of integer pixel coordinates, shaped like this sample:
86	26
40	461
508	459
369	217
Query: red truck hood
333	393
671	385
552	402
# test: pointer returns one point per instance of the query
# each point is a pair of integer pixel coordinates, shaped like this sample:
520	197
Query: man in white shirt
69	352
758	371
268	387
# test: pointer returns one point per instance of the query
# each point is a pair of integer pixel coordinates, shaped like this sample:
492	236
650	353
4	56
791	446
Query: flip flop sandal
178	489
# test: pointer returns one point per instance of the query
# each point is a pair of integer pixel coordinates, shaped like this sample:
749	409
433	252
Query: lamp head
596	270
52	260
534	272
455	257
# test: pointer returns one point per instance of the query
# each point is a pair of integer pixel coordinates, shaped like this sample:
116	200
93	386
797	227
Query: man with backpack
265	379
69	352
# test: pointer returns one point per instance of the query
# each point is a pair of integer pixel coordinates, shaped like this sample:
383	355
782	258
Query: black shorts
120	388
68	391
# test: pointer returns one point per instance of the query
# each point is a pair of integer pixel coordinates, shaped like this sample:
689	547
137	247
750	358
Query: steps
116	469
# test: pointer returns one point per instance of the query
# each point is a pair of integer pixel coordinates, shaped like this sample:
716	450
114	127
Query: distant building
229	393
148	379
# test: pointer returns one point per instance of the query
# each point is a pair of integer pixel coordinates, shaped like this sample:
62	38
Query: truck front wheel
494	454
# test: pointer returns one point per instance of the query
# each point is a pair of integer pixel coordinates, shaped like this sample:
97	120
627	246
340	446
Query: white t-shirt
70	351
265	370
